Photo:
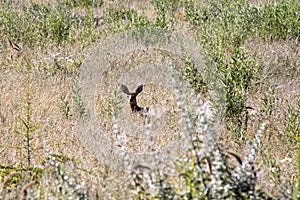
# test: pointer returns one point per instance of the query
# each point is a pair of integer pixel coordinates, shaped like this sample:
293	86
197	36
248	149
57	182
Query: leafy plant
65	106
280	19
38	23
292	124
27	133
77	101
118	19
193	76
269	101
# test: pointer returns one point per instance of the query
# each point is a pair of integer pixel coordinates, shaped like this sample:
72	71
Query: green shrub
223	27
117	19
292	123
280	19
38	24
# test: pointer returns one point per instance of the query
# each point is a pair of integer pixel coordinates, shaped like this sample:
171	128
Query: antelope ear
139	89
125	89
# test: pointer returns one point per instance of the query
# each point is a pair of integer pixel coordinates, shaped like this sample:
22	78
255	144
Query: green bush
38	24
118	19
280	19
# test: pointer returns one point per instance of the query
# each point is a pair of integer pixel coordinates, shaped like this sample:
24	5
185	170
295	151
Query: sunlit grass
254	46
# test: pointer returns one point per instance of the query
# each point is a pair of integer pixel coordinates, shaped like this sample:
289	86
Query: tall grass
42	24
207	172
223	27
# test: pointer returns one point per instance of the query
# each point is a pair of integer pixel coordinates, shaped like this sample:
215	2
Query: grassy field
252	45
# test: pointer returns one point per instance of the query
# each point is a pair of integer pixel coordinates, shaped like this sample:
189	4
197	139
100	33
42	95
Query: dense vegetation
253	44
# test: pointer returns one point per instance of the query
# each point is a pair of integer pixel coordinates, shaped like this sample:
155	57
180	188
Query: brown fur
133	103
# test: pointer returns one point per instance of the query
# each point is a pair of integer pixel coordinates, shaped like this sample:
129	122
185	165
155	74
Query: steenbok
155	111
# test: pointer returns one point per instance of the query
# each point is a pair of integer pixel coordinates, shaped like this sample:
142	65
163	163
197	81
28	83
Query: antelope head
133	103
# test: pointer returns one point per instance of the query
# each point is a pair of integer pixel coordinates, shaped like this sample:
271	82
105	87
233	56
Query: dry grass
46	83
